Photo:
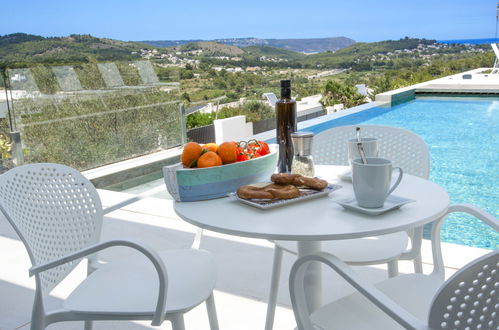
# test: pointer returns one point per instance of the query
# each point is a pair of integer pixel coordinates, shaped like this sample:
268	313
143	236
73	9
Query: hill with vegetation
350	56
16	38
25	50
22	49
210	70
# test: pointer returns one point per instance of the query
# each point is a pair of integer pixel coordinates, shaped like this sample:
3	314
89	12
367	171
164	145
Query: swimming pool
463	137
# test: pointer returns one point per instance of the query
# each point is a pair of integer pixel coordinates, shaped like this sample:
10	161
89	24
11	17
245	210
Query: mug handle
401	174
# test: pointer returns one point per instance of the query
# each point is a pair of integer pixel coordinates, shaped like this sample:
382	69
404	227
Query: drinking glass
370	146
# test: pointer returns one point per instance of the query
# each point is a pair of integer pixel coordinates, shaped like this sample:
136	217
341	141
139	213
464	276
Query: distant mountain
170	43
209	48
312	45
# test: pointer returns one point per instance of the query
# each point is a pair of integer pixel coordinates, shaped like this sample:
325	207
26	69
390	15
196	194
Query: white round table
311	221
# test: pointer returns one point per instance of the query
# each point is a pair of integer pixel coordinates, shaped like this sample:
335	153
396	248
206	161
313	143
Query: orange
209	159
190	154
210	146
228	152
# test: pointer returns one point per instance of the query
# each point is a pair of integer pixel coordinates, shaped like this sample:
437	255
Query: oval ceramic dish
196	184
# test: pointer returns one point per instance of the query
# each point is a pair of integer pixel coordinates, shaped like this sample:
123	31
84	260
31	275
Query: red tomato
264	148
251	149
242	153
259	148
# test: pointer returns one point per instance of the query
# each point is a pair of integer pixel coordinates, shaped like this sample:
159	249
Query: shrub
252	109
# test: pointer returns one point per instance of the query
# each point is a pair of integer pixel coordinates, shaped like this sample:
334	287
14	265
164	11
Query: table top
321	218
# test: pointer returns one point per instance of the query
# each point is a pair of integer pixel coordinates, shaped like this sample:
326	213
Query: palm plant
335	92
379	85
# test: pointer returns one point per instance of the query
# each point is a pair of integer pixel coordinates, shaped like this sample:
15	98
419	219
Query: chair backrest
495	69
55	210
271	98
402	147
495	49
469	298
362	89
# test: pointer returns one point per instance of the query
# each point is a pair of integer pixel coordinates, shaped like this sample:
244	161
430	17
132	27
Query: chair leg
178	322
274	287
37	325
418	264
212	312
38	321
393	268
88	325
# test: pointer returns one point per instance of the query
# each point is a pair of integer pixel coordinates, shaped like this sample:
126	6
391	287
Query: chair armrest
477	213
158	316
438	264
387	305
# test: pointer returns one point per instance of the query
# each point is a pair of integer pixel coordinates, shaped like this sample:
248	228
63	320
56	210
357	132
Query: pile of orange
208	155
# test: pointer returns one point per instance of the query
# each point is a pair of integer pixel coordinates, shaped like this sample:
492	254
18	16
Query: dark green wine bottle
285	109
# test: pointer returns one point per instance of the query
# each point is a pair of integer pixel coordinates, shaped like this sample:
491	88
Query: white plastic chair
57	214
271	98
404	149
495	69
467	300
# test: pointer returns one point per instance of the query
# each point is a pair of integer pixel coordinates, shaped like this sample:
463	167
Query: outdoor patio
244	267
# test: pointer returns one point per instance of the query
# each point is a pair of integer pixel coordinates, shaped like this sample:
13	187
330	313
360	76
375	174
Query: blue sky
361	20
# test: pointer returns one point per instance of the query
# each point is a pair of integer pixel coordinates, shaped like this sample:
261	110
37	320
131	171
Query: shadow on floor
16	303
243	269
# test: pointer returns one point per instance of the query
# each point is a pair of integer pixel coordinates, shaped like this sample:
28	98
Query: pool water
463	137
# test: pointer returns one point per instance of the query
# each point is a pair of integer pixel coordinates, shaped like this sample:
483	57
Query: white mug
371	181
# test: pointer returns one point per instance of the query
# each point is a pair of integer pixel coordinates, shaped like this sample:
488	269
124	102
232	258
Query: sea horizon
478	41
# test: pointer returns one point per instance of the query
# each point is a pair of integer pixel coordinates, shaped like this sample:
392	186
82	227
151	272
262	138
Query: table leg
313	277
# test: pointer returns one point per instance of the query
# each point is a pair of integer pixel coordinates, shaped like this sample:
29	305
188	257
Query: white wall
232	129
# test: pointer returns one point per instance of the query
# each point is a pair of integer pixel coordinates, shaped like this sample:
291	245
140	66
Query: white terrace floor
243	265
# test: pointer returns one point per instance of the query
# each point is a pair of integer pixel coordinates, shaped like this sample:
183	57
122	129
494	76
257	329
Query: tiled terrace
243	270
